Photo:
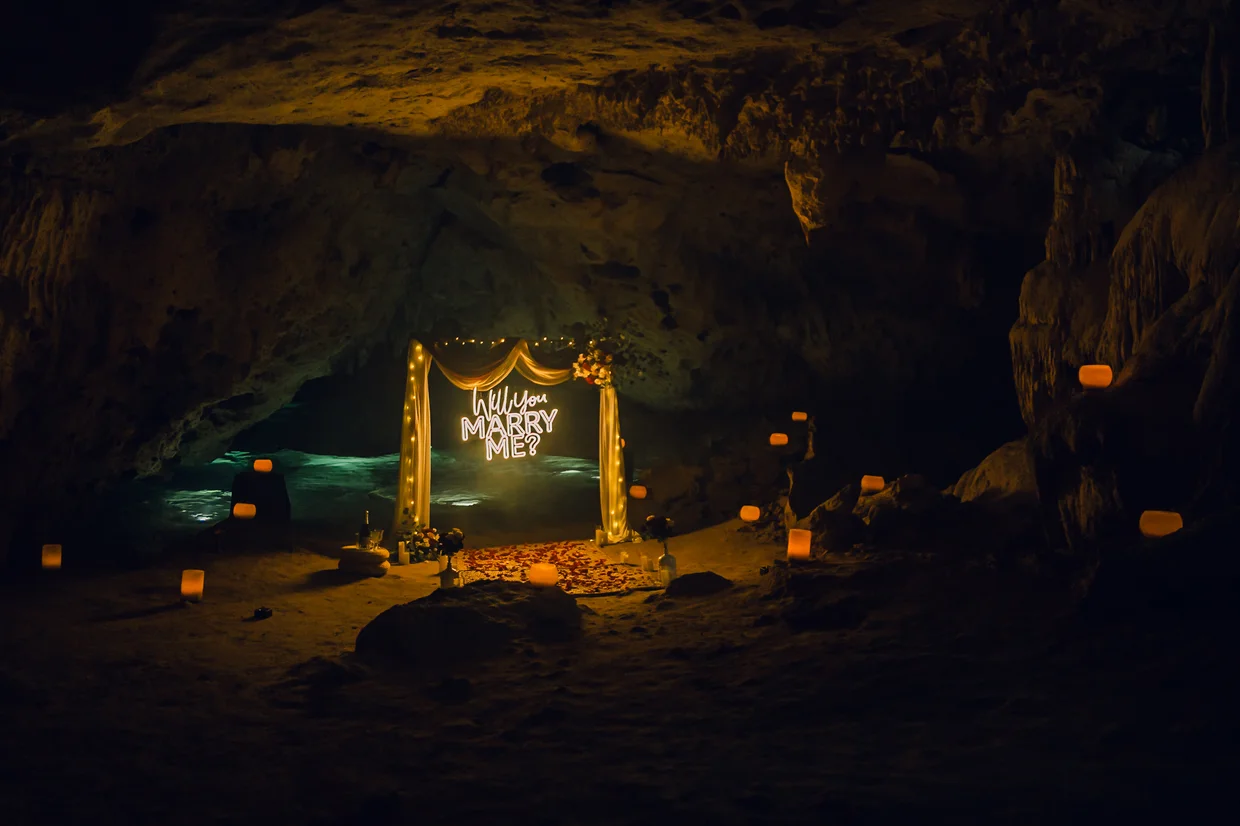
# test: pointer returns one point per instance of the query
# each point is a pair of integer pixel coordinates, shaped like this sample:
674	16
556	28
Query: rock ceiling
739	79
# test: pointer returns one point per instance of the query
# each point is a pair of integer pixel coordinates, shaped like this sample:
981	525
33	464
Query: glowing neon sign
512	427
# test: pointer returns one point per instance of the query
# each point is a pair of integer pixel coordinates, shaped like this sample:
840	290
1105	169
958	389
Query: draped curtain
413	497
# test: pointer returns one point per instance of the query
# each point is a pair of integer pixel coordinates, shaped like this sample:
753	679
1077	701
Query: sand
966	695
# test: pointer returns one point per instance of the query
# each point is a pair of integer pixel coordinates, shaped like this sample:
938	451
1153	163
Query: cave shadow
140	613
330	578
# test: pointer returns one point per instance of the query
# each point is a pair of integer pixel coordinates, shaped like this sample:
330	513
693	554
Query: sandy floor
118	706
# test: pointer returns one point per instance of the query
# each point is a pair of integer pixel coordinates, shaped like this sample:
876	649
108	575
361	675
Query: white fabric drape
413	489
613	498
413	496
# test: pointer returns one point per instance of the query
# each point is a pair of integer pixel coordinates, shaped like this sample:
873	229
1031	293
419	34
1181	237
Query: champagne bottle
363	534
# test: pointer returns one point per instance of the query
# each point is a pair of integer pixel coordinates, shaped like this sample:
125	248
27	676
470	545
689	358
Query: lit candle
750	513
638	491
543	574
1095	376
872	484
52	557
244	510
799	416
779	439
191	585
262	465
1160	523
798	545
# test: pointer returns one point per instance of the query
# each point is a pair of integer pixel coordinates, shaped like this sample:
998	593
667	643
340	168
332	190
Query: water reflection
530	492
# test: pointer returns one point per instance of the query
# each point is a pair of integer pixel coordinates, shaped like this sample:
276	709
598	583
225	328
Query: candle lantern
1160	523
543	574
799	416
52	555
750	513
872	484
638	491
191	585
244	510
1095	376
798	545
779	439
263	465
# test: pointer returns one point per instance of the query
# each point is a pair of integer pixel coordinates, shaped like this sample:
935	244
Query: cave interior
222	224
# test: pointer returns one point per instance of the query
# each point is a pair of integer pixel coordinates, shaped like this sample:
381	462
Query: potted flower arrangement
594	366
450	543
422	544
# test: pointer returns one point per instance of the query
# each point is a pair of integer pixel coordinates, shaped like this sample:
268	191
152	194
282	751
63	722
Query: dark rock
267	492
451	691
834	524
698	584
827	614
909	513
1193	573
479	621
1008	471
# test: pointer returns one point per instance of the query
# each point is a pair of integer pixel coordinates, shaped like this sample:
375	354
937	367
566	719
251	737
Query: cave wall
160	297
1162	437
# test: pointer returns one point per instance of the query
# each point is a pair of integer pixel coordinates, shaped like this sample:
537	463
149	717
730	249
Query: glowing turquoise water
337	489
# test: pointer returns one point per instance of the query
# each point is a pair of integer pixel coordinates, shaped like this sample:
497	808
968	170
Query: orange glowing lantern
798	545
1160	523
1095	376
750	513
262	465
52	557
244	510
779	439
191	585
543	574
638	491
799	416
872	484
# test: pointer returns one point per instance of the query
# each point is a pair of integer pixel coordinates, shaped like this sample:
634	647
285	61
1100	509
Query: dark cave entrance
337	442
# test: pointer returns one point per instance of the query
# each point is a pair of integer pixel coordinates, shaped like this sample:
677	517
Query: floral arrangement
452	542
659	528
594	366
422	544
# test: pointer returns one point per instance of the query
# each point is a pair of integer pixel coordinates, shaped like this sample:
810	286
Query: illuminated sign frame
511	426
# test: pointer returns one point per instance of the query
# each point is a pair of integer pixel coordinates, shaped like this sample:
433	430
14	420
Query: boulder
834	525
267	492
698	584
1008	471
479	621
909	512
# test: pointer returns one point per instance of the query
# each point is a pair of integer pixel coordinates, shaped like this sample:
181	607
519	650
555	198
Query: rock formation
767	202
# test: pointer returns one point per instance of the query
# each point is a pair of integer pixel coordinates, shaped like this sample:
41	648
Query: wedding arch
413	492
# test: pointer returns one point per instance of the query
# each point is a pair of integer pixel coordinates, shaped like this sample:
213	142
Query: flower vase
449	577
444	562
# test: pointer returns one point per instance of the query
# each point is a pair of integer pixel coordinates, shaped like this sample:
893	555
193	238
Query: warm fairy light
244	510
872	484
511	427
191	585
52	556
798	544
779	439
637	491
799	415
543	574
1095	376
750	513
1160	523
263	465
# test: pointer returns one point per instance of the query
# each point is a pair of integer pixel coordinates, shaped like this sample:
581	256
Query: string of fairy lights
551	342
